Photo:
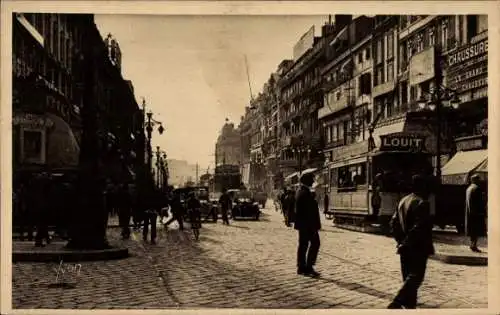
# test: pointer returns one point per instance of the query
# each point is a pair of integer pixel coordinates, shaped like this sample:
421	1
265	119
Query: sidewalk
451	248
454	249
25	251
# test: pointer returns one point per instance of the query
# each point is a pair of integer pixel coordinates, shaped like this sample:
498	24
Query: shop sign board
468	68
468	52
402	142
28	120
470	143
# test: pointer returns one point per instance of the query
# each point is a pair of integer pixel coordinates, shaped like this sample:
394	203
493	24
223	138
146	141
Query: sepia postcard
249	157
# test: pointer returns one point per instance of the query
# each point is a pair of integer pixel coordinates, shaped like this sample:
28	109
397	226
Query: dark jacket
176	205
307	215
225	201
412	226
475	211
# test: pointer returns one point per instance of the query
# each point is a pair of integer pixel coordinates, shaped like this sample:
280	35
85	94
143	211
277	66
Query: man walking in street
290	208
412	229
308	223
283	196
225	205
154	204
475	211
177	211
123	203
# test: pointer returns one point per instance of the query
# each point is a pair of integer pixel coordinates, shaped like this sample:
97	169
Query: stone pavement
249	264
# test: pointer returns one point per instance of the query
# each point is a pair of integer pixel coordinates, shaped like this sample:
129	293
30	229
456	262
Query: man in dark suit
475	210
412	230
308	223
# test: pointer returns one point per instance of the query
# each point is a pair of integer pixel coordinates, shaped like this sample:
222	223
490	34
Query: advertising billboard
304	44
422	66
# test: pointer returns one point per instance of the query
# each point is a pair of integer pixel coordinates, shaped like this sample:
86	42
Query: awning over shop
458	169
63	149
483	168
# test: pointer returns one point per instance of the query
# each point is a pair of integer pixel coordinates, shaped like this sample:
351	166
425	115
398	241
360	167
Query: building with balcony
347	79
245	130
69	93
301	96
50	82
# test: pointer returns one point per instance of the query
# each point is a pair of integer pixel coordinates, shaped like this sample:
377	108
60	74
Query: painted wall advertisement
467	70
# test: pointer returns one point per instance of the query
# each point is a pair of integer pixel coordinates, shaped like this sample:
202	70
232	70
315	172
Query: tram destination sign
401	142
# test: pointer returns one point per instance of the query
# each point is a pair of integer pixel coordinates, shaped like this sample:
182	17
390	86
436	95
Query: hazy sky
191	69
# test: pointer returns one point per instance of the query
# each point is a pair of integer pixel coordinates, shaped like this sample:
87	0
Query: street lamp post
434	102
301	149
150	124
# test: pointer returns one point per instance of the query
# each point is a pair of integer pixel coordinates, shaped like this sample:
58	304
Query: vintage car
244	205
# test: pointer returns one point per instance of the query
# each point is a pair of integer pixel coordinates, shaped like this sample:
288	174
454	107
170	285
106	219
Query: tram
365	190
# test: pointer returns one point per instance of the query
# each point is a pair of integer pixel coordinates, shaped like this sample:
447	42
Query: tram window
352	176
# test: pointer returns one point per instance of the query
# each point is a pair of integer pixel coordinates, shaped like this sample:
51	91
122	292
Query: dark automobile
244	206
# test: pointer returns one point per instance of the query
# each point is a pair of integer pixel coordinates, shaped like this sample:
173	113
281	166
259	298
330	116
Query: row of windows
58	34
348	176
298	86
30	60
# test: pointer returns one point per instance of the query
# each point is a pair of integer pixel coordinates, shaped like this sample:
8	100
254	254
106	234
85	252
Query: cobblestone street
249	264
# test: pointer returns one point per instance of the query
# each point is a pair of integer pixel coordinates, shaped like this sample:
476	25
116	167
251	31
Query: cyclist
193	208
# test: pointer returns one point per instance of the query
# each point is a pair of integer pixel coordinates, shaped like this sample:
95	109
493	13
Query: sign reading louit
402	142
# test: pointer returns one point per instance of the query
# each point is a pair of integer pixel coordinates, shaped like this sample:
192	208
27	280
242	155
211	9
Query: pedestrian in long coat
308	224
412	229
475	211
290	208
154	202
124	204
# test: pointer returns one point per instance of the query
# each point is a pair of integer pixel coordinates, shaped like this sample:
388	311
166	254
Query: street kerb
57	251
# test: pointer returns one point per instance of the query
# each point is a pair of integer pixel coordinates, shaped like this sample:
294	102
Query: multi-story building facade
245	131
397	77
228	146
301	96
270	146
51	84
348	105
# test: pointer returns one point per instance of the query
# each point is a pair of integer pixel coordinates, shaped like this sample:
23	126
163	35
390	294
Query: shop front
471	158
467	74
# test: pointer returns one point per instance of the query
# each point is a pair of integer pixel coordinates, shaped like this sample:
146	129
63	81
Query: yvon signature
67	269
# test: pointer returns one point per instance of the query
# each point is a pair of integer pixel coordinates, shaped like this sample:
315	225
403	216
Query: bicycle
195	218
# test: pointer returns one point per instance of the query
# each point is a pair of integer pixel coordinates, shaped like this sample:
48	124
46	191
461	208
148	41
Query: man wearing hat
308	223
412	229
475	211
